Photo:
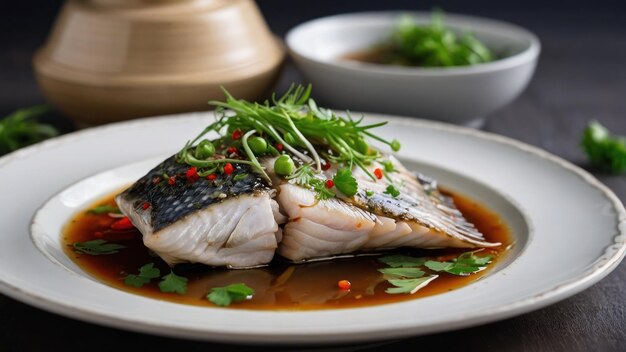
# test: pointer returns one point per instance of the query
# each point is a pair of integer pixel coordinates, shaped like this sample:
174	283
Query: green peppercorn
204	150
395	145
258	145
284	166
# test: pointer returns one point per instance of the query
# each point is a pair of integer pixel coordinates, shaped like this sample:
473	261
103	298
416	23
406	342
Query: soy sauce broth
280	285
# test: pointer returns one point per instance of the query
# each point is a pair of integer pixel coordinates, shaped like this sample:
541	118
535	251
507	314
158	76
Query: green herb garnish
224	296
97	247
404	261
409	286
21	129
295	126
434	45
465	264
305	176
172	283
604	150
402	272
392	191
406	276
345	182
146	273
104	209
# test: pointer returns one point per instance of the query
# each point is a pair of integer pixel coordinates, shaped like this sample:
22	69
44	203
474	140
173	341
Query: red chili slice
228	168
192	174
122	224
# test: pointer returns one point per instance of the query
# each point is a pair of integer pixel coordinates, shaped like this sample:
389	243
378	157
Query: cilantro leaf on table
172	283
465	264
146	273
224	296
345	182
104	209
97	247
603	149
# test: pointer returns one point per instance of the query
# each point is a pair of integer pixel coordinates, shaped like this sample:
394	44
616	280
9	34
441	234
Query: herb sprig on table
605	150
21	129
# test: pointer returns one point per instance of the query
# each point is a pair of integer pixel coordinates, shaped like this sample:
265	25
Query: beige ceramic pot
111	60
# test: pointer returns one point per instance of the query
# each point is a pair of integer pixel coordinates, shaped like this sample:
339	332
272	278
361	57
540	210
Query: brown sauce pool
281	285
382	55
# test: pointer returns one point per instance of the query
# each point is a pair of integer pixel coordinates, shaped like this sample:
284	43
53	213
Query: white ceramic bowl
463	95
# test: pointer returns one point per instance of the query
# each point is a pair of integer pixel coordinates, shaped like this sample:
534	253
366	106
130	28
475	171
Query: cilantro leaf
321	190
398	260
224	296
345	182
604	150
146	273
171	283
392	191
402	272
465	264
438	266
96	247
304	177
104	209
409	285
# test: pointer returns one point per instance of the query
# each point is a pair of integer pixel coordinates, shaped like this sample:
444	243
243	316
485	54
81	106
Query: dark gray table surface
581	76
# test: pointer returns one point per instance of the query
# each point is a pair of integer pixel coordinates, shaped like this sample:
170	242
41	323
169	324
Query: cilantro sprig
224	296
604	150
145	275
345	182
172	283
406	276
97	247
465	264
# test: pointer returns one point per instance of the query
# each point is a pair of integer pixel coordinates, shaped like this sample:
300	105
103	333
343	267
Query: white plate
569	230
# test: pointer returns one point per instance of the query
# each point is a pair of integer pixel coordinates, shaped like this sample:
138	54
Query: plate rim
600	267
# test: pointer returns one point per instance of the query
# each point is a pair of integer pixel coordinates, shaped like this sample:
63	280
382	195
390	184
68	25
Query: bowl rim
530	54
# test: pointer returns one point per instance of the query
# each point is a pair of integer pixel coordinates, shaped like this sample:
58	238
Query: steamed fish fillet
419	217
225	222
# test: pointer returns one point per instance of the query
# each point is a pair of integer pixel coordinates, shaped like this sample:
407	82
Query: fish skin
225	222
419	202
170	203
